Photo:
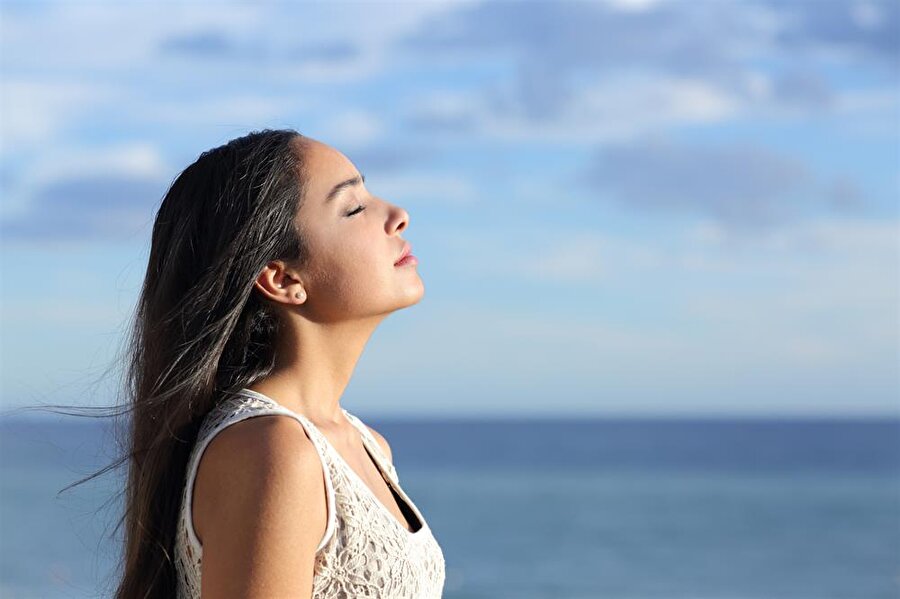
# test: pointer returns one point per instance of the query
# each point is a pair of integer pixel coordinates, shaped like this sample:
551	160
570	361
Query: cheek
351	266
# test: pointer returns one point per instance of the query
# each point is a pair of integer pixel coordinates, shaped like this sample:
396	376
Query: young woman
271	265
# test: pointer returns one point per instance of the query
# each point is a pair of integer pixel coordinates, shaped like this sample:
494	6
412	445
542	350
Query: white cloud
822	269
353	127
633	5
577	259
104	37
866	14
36	111
871	112
60	161
616	108
87	32
239	109
424	188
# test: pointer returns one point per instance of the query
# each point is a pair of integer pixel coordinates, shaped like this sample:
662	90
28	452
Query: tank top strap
373	443
259	400
239	406
318	437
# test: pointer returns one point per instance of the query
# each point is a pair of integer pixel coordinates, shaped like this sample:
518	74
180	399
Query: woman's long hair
199	330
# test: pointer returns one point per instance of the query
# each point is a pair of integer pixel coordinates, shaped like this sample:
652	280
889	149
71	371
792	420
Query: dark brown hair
198	332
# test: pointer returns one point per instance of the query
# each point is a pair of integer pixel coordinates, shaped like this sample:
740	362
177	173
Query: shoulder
263	507
268	447
252	461
262	439
385	446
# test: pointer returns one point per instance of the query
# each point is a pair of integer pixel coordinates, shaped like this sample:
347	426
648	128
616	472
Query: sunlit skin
347	289
349	286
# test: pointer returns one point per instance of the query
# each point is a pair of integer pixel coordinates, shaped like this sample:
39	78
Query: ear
279	283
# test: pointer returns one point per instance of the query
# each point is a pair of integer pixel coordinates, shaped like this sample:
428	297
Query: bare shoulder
381	441
271	443
260	509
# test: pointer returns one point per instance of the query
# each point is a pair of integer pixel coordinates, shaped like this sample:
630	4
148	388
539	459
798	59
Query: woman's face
354	240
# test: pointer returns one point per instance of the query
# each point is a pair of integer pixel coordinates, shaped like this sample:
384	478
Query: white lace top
365	551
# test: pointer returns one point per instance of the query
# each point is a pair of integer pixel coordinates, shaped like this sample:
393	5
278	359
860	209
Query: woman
270	266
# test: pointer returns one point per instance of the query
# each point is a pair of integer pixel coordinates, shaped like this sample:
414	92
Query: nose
399	219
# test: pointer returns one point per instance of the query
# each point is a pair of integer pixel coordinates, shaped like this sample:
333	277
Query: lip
409	259
407	249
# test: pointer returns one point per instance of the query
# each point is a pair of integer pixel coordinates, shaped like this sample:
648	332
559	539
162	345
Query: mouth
406	256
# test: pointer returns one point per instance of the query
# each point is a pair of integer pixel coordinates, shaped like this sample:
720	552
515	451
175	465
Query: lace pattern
365	551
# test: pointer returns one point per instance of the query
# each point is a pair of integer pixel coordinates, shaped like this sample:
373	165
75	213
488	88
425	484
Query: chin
414	295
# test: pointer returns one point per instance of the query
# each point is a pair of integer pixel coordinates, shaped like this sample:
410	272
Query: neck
313	366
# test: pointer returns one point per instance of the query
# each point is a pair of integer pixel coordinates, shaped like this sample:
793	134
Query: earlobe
274	282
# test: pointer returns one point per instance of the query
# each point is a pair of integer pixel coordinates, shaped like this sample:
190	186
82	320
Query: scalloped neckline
358	479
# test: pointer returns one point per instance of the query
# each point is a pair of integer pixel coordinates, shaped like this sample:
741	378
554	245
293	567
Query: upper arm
267	512
383	442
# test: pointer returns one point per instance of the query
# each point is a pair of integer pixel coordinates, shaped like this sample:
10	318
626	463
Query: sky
628	207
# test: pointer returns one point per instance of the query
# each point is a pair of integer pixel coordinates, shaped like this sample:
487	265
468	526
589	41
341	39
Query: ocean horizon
588	507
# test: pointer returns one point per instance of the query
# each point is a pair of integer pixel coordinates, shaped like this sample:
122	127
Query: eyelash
356	210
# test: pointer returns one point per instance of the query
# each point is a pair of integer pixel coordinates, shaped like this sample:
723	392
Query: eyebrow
343	184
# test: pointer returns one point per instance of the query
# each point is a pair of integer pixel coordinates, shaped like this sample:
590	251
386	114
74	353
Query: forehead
326	167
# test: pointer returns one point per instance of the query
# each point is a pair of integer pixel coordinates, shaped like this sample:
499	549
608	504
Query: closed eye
357	210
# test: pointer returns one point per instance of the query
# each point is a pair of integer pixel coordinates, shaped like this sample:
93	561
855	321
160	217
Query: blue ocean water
619	508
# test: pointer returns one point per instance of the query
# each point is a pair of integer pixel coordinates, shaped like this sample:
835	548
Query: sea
626	508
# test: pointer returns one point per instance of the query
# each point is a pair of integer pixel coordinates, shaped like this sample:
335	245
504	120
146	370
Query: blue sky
626	207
